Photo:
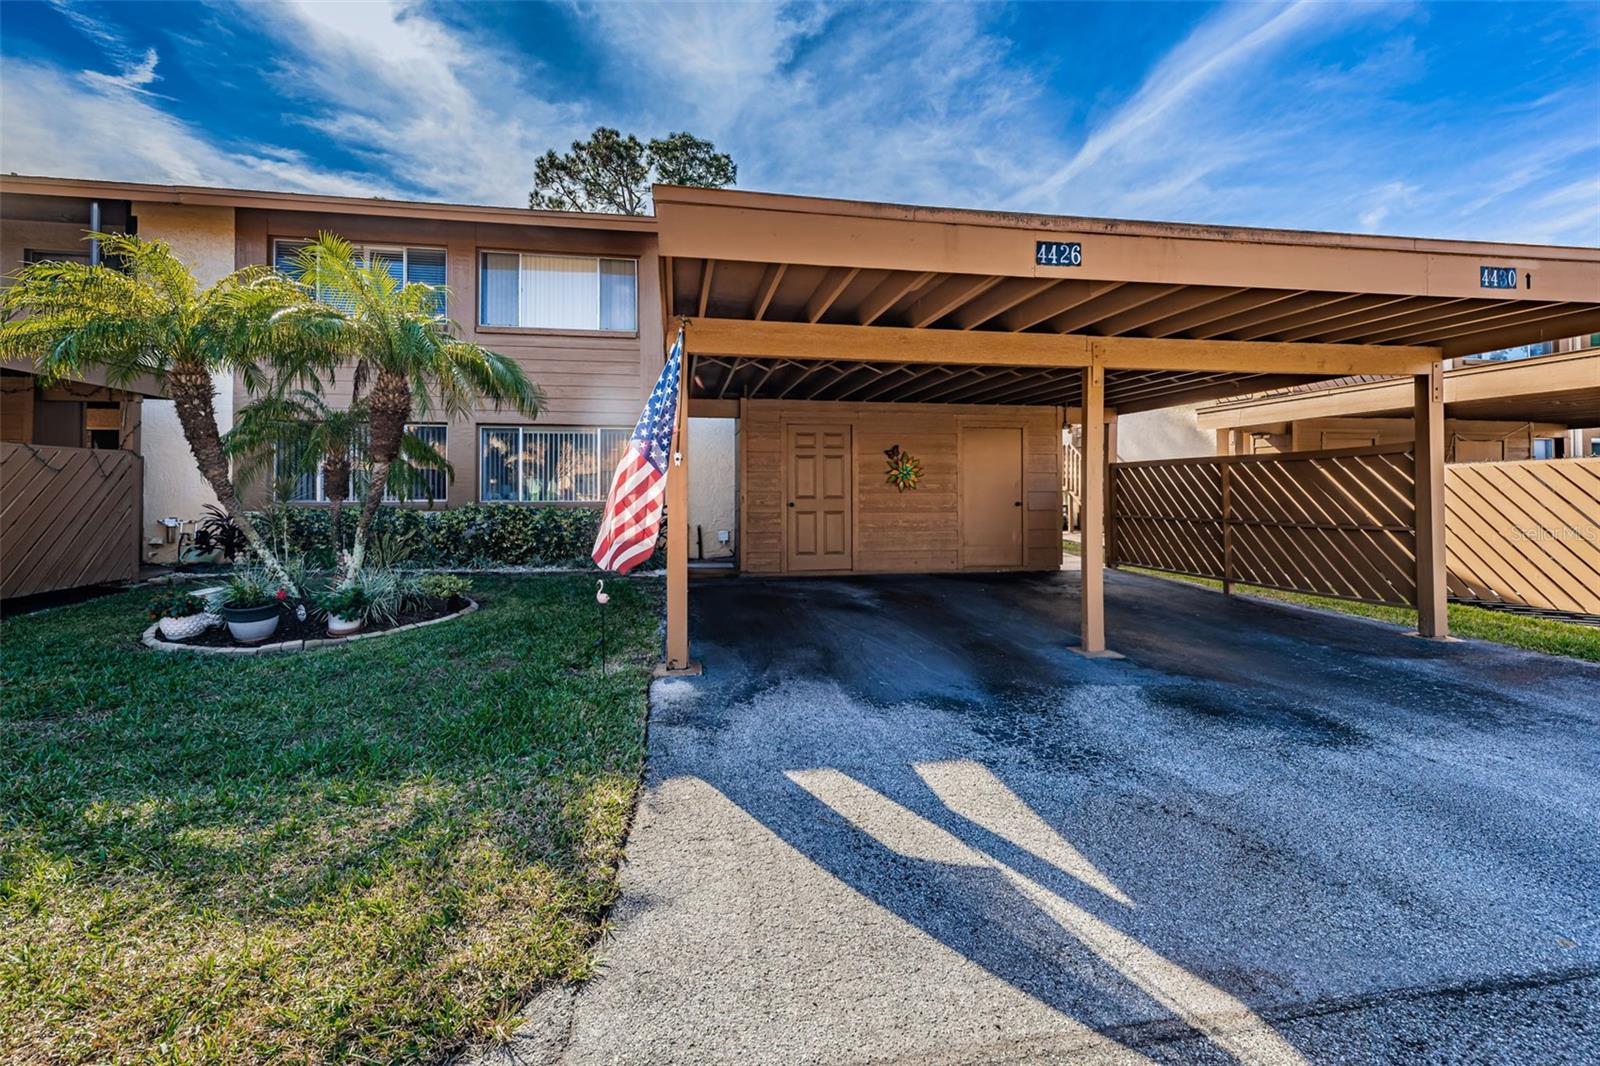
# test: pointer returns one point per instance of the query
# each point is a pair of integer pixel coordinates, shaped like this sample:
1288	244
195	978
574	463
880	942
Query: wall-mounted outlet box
722	536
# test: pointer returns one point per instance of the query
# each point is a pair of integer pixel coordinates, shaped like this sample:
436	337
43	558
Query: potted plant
252	604
180	614
346	607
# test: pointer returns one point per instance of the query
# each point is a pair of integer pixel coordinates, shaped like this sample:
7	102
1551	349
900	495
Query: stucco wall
1169	433
203	237
713	490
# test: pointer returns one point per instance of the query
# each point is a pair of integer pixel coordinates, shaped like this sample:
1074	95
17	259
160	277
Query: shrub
478	535
253	586
175	603
444	586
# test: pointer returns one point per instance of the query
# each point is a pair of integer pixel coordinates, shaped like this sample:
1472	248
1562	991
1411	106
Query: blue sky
1454	120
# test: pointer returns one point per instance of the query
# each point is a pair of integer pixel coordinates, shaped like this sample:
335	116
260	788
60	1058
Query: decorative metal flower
904	469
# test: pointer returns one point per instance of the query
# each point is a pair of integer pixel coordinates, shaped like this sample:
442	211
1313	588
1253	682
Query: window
558	292
521	464
31	256
427	485
1594	447
1544	448
409	266
430	484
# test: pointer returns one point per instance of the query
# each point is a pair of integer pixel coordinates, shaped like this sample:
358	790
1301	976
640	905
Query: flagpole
678	660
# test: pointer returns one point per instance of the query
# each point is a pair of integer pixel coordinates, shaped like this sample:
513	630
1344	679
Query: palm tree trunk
189	387
336	475
388	406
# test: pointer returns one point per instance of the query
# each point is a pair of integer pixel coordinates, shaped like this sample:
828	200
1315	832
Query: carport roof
804	298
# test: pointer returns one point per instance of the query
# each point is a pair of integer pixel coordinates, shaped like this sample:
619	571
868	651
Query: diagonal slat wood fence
1343	524
1335	523
68	517
1525	533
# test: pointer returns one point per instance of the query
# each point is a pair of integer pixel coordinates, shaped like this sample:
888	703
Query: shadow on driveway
897	819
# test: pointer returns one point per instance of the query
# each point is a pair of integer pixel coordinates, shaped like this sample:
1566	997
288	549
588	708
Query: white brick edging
151	640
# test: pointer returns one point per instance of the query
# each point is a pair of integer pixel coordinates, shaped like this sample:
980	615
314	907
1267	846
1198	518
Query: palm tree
297	434
410	353
148	315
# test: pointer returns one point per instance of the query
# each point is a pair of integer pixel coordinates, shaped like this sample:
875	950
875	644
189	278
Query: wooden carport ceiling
760	258
731	377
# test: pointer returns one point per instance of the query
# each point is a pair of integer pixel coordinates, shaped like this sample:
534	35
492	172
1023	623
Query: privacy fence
68	517
1343	524
1336	523
1525	533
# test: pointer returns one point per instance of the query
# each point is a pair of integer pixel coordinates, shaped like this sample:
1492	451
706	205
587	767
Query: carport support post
1093	517
678	661
1428	414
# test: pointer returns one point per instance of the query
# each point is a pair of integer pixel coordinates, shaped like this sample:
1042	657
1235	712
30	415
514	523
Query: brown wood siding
916	531
68	517
589	379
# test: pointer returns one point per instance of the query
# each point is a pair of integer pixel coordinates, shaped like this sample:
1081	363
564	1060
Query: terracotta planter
343	627
252	625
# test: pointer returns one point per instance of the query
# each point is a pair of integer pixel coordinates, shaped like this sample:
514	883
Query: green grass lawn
1519	631
372	853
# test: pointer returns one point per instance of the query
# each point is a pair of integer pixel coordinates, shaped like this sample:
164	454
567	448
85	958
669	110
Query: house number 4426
1058	253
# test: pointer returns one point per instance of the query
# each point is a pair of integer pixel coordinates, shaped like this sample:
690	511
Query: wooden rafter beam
768	289
1431	311
1063	297
706	274
948	296
1231	387
1124	299
953	380
1399	309
1266	327
1271	312
1582	320
1166	307
827	291
825	341
732	369
1318	318
913	377
890	291
873	372
1248	300
1000	299
1478	319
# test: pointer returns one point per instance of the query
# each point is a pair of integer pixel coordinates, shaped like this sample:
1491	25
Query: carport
851	312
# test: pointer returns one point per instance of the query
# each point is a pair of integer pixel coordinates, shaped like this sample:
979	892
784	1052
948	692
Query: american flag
632	520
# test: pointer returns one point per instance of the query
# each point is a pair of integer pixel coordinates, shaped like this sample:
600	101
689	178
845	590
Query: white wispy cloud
133	77
66	124
1261	114
445	115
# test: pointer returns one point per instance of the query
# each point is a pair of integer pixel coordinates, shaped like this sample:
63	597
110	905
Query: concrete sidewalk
898	821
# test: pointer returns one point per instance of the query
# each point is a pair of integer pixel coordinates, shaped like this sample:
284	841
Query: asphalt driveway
898	820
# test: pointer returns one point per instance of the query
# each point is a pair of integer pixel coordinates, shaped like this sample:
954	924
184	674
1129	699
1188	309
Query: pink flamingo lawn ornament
601	598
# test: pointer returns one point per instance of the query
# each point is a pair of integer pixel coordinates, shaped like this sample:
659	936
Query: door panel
991	496
819	503
1479	451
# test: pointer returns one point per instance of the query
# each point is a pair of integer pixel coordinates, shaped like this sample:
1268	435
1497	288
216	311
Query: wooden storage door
1479	451
819	502
991	496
